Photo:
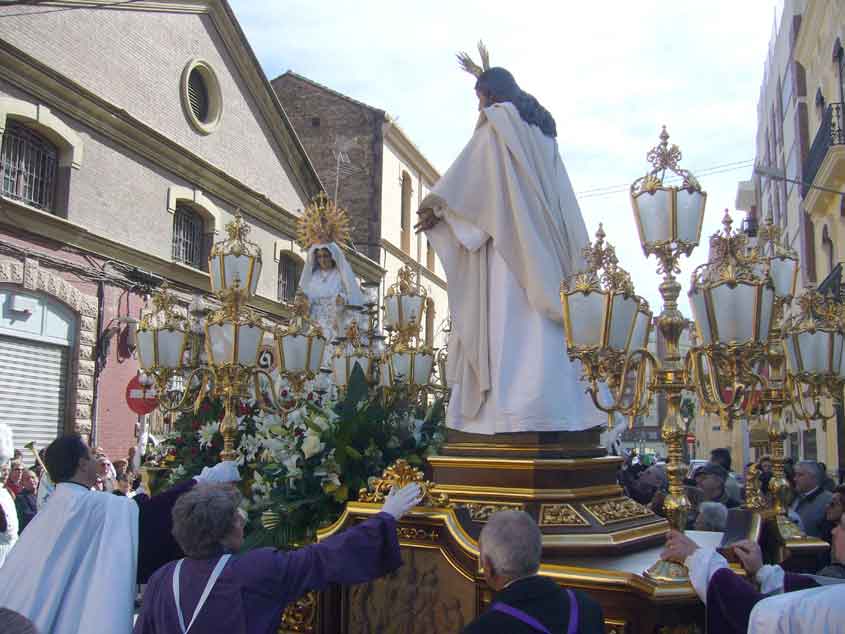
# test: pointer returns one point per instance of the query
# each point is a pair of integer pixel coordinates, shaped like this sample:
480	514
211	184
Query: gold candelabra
748	359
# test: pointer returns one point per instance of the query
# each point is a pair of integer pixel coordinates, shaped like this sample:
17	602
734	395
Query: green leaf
353	453
357	389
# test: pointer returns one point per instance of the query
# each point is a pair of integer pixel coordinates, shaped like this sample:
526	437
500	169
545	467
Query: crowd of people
67	574
816	501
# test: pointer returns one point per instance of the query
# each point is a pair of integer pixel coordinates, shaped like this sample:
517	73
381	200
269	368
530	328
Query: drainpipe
100	351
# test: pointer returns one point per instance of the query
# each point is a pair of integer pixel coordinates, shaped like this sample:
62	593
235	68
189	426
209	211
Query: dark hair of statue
63	455
498	85
316	265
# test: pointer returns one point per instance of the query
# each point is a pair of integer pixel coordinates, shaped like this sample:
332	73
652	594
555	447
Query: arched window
28	166
188	237
290	268
406	212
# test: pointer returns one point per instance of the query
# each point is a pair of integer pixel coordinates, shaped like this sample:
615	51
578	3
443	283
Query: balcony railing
830	133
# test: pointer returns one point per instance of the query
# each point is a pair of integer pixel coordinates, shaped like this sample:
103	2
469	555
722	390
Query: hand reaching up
750	555
400	501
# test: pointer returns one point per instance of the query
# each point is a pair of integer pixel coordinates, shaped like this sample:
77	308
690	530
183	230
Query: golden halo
323	222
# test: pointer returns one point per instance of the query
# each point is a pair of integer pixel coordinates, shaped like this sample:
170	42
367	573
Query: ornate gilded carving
301	615
561	515
420	534
399	474
481	512
754	500
617	510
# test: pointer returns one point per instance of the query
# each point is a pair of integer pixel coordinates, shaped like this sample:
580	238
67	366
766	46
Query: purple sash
531	622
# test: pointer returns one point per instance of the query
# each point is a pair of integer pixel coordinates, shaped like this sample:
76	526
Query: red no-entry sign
140	398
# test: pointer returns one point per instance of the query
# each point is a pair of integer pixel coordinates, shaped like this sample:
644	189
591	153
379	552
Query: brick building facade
130	136
379	175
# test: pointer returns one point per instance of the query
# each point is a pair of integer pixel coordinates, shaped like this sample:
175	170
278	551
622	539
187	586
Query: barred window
28	166
188	237
290	269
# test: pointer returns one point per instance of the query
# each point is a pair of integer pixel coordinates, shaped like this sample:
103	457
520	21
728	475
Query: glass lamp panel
237	270
339	367
622	321
385	375
654	215
735	312
791	356
401	363
767	306
215	270
256	275
814	348
146	349
639	338
412	306
698	304
249	341
318	349
586	313
838	341
783	275
294	352
221	342
391	311
690	211
422	368
170	344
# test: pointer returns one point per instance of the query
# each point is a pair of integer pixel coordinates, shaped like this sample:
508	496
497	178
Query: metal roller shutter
33	390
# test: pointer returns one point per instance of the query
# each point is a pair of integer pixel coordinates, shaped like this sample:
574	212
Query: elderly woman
216	591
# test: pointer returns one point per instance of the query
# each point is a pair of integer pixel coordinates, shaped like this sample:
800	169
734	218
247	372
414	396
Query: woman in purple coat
212	590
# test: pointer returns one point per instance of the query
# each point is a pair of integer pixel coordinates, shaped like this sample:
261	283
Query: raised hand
400	501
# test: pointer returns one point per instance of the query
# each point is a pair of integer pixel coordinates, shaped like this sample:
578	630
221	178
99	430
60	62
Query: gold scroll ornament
398	475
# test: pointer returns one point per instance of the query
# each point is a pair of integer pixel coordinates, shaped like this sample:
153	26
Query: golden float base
595	540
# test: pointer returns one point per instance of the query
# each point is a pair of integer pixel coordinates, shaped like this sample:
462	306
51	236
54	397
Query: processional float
756	355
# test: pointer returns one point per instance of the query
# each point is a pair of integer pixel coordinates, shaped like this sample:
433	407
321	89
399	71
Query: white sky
611	72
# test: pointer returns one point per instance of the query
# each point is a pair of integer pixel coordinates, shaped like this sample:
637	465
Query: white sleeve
702	565
770	579
471	237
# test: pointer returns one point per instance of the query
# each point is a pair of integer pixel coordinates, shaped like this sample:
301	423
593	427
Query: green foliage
298	471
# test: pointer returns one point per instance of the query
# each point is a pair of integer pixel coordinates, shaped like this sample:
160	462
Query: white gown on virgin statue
322	289
511	231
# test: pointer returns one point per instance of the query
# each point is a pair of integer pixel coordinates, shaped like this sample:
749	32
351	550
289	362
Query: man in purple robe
733	604
213	591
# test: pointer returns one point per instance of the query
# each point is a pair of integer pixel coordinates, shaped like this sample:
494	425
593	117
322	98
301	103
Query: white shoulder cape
73	569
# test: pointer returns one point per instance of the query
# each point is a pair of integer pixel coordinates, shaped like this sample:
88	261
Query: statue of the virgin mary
327	278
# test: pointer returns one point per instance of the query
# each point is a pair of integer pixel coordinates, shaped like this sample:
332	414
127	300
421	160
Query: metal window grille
187	237
289	271
28	166
198	95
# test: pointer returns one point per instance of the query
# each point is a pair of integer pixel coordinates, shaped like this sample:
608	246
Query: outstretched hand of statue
427	219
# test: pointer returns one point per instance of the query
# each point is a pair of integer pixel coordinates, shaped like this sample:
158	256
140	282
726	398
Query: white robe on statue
73	568
511	231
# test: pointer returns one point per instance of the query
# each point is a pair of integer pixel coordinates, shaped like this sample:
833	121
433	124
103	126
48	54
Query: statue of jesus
505	223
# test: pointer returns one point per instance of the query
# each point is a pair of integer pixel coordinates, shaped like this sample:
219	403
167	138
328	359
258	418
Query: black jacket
544	600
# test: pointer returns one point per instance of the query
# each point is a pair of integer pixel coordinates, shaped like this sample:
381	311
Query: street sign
690	439
140	398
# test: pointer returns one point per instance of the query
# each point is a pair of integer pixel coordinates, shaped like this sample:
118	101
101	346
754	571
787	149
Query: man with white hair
712	516
811	500
525	602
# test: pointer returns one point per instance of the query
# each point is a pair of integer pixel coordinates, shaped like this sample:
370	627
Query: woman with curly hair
215	589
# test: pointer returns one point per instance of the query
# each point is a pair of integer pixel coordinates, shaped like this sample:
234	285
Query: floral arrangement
299	470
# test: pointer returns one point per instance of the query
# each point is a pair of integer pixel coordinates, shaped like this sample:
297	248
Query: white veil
353	292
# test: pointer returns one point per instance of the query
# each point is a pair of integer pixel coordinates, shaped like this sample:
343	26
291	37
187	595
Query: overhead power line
609	190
